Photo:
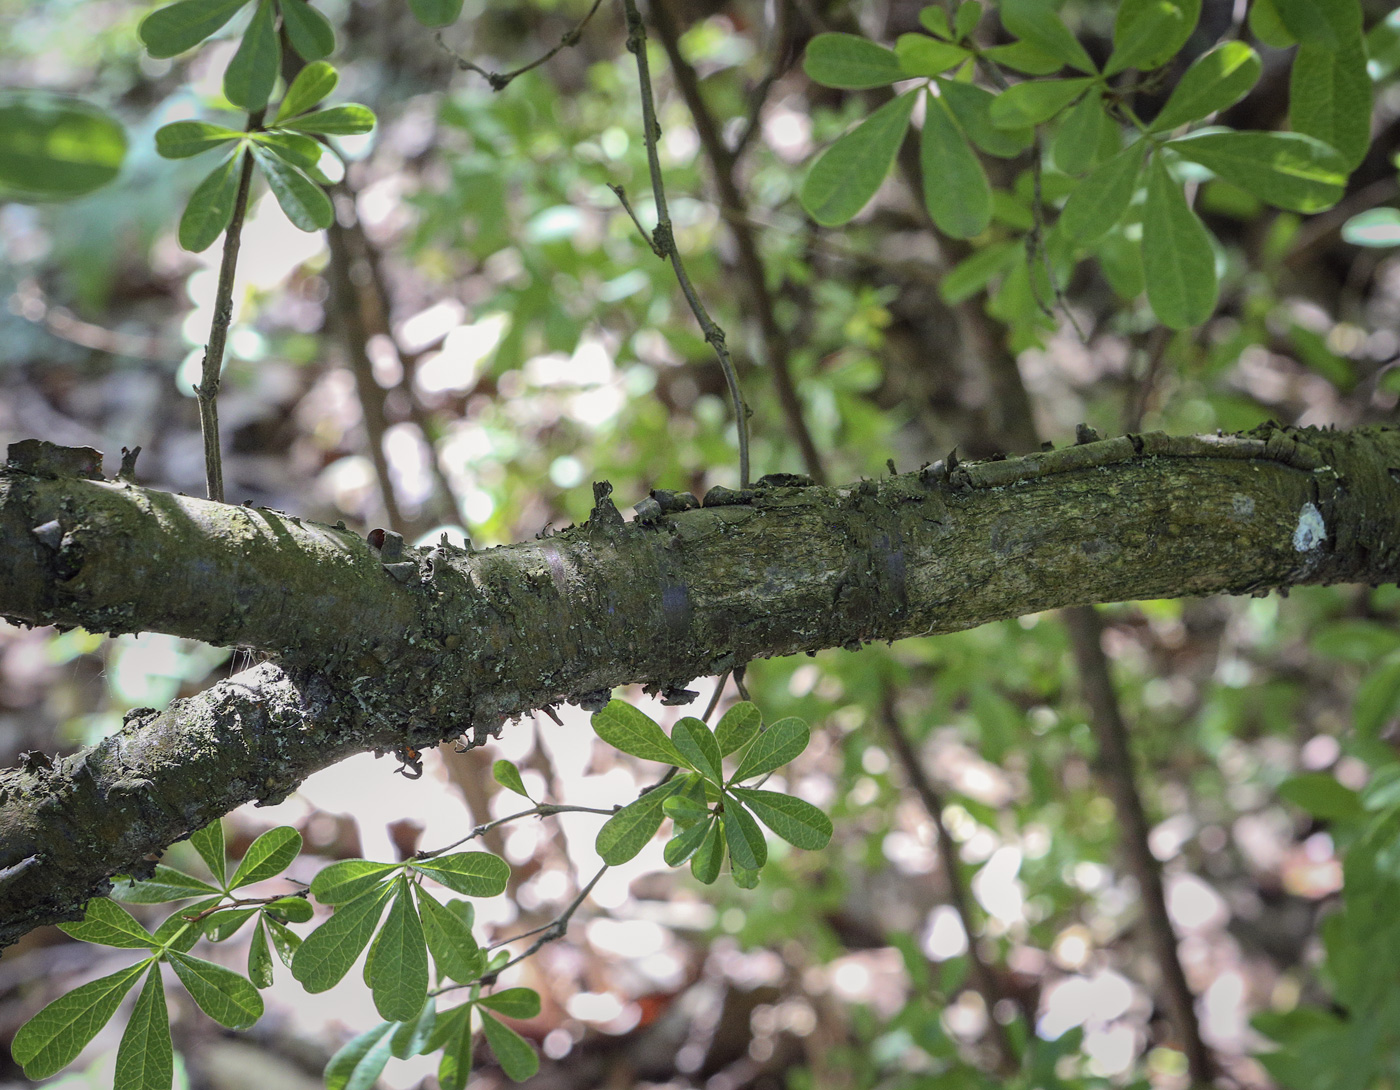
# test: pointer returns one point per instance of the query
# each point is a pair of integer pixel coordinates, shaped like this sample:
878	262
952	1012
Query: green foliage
54	148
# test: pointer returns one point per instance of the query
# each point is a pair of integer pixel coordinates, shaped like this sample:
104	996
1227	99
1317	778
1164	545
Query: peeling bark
381	646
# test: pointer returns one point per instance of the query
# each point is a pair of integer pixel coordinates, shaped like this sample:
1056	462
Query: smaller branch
548	933
207	392
499	81
627	207
544	809
1035	244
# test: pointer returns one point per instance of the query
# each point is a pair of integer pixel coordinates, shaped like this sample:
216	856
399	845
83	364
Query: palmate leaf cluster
1116	181
713	815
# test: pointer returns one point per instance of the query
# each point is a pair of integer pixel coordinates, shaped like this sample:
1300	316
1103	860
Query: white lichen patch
1310	531
1241	506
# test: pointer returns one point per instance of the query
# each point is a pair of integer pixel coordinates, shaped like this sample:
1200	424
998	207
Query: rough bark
380	646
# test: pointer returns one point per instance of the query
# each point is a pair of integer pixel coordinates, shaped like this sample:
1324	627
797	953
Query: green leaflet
284	941
106	923
181	26
1025	58
1178	261
269	855
515	1054
1329	23
1265	24
973	273
220	993
348	119
435	12
145	1058
956	192
969	14
1148	33
850	62
312	84
1377	700
346	880
358	1064
634	732
508	776
164	884
328	952
934	19
450	940
476	874
250	76
453	1035
259	958
1101	199
1038	23
1329	97
697	745
52	1039
292	147
737	727
687	842
303	201
845	176
411	1037
1081	134
210	210
705	864
628	831
920	55
54	148
1215	81
1321	795
309	32
972	106
782	742
1030	103
1376	227
748	849
180	140
798	822
513	1002
397	970
1285	169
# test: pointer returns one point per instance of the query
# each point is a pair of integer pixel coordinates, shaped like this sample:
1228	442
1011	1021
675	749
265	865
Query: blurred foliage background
486	332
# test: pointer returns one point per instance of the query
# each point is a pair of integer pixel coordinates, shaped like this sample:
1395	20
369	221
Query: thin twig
499	81
551	931
544	809
207	392
663	237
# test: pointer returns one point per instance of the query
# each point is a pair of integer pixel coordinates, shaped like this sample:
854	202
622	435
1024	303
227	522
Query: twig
551	931
982	977
664	241
1035	245
499	81
207	392
1157	342
544	809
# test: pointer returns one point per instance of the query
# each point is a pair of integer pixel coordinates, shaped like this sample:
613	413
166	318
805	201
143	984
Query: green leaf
284	941
348	119
1081	135
782	742
54	148
1215	81
304	202
935	20
696	743
411	1037
1101	199
1377	700
634	732
1035	101
956	192
513	1002
399	977
972	106
250	76
259	958
508	776
476	874
164	884
1328	23
972	274
222	994
1178	262
748	849
687	841
210	210
177	27
221	925
269	855
515	1054
1024	58
358	1064
627	832
328	952
685	809
209	841
309	32
969	14
705	864
1383	47
845	176
450	940
106	923
1377	227
179	931
1148	33
799	823
292	909
182	139
52	1039
1329	97
453	1035
1285	169
1265	24
850	62
1037	22
349	879
435	12
1120	259
744	878
1321	795
145	1059
312	84
737	727
920	55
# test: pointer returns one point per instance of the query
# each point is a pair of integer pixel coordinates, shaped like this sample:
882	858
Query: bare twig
556	929
207	392
499	81
544	809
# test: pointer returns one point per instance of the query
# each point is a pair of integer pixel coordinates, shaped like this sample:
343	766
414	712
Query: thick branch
421	644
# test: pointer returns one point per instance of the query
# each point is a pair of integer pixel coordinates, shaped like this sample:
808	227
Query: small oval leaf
850	62
845	176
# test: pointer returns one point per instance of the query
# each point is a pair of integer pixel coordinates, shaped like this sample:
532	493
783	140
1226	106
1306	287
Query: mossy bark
381	646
